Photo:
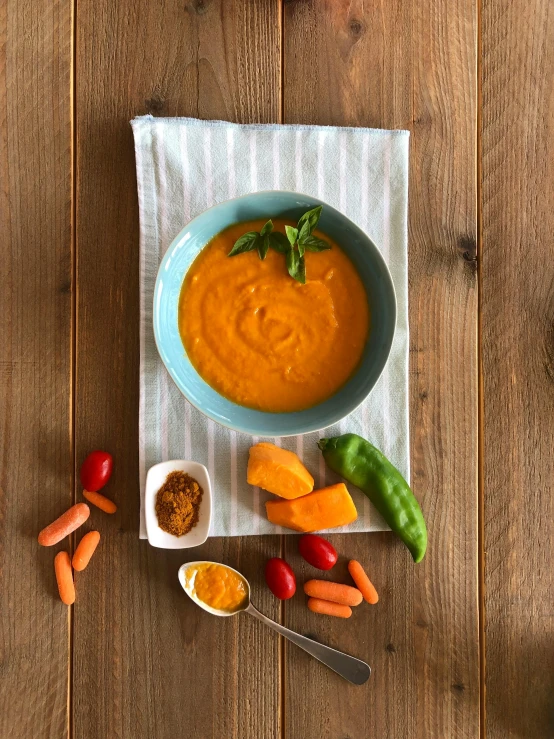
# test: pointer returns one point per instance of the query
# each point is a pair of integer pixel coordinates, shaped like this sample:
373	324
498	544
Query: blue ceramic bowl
373	272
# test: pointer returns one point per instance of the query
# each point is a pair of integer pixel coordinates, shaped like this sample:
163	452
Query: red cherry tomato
317	551
280	578
96	470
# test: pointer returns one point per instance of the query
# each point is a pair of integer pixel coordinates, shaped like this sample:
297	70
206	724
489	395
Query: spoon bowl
350	668
188	587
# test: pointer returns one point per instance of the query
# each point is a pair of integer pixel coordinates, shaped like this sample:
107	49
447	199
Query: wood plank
155	664
35	360
518	365
402	65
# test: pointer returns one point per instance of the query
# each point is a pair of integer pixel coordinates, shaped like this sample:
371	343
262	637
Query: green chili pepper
363	465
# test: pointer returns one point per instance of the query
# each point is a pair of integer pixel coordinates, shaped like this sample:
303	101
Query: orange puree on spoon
217	586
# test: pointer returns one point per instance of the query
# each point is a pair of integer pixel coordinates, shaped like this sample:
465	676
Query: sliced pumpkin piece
279	471
322	509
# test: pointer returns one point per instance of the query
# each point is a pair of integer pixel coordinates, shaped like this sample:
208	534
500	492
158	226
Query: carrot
64	578
363	583
333	591
327	608
64	525
100	501
85	550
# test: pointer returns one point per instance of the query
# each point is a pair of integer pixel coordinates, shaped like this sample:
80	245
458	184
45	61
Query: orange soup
217	586
262	339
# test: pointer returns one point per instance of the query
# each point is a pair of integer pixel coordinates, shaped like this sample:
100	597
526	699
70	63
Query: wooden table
460	644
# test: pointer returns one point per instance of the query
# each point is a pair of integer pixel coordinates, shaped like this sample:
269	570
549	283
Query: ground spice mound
177	503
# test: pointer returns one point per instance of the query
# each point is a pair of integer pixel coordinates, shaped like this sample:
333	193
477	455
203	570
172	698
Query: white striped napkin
185	166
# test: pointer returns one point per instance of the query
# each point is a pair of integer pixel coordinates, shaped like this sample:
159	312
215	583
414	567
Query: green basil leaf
292	234
292	262
304	232
247	242
263	246
267	229
296	266
308	222
301	248
301	271
312	243
279	242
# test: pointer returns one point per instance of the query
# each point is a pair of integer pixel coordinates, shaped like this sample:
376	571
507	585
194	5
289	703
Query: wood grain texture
518	365
35	360
402	65
155	664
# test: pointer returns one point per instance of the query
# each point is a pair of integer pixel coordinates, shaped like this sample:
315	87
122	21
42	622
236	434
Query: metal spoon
352	669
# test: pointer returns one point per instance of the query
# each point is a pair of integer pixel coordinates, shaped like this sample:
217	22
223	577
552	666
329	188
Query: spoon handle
352	669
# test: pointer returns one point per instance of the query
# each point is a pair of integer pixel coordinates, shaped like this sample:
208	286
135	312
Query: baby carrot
326	607
363	583
64	578
64	525
100	501
333	591
85	550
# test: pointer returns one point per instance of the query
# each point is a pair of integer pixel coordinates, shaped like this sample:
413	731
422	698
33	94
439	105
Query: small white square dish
154	480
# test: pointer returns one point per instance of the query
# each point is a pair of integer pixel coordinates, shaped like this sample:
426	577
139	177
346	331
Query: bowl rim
308	428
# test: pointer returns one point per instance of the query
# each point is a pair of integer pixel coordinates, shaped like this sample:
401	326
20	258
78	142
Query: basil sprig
294	245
